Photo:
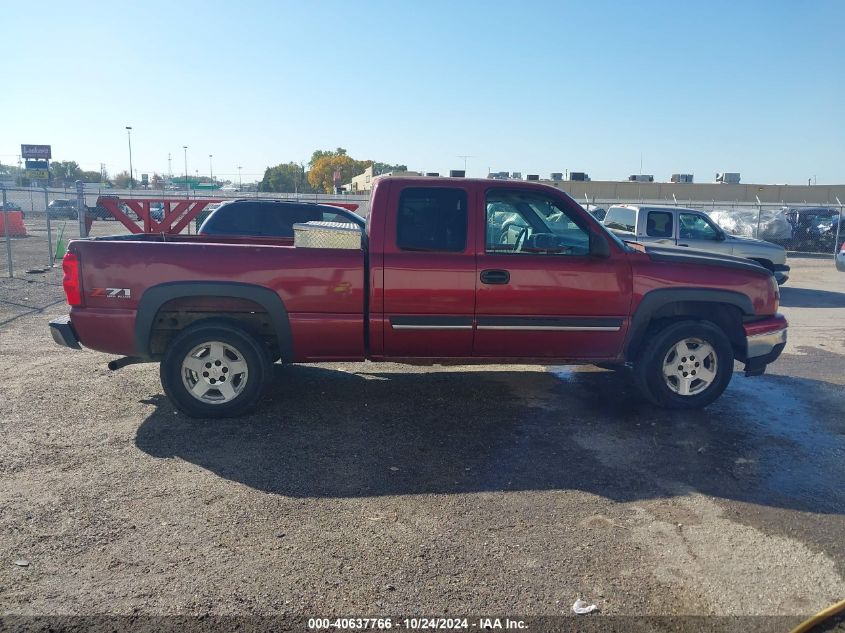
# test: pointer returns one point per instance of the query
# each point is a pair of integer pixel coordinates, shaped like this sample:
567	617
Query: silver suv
689	228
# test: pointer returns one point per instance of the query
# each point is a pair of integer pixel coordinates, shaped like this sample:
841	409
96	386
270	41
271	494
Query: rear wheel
214	370
686	365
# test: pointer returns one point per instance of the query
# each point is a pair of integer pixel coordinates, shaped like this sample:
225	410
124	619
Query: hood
681	255
747	240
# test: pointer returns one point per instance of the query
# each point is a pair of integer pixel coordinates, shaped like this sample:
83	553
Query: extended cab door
429	272
540	292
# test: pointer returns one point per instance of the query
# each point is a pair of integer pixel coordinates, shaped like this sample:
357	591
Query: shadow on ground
333	433
791	297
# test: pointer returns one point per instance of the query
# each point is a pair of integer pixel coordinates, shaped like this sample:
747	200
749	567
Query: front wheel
214	370
686	365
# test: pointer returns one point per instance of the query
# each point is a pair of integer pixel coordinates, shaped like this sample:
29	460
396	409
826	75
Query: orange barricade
16	227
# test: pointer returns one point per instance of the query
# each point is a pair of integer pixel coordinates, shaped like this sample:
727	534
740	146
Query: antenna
465	156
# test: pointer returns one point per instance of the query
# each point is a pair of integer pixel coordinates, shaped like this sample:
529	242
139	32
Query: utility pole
210	169
185	149
240	182
129	137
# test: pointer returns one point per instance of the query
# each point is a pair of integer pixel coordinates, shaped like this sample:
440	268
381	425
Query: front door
540	292
429	273
700	233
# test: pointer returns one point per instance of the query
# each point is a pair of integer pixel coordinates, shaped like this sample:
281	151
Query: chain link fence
799	228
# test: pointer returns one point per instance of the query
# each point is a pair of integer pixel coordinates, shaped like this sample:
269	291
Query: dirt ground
365	488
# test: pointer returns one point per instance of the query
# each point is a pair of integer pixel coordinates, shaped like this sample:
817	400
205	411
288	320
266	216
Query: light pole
210	168
240	182
129	138
185	149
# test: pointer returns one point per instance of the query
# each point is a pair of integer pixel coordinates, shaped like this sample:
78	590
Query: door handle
495	277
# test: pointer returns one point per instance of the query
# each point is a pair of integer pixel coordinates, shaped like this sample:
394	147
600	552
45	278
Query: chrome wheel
690	366
214	372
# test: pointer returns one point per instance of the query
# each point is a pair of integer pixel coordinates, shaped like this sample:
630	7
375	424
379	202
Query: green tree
384	168
91	176
65	172
121	180
285	178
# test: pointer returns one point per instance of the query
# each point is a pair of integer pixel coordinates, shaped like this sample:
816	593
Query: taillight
72	286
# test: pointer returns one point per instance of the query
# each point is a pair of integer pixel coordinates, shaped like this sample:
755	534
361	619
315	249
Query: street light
240	183
129	138
185	149
210	168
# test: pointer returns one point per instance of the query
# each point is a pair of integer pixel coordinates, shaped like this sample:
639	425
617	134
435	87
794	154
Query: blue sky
536	87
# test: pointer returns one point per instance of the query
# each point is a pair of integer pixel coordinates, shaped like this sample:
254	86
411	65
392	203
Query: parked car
12	206
271	218
448	270
597	212
62	209
814	228
840	259
690	228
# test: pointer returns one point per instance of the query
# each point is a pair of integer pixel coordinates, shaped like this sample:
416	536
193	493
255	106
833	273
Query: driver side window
694	227
519	222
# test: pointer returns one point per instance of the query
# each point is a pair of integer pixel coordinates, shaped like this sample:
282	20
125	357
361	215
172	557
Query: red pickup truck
444	271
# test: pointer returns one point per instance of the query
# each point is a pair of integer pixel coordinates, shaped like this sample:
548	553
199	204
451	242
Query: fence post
838	228
6	231
51	254
81	209
759	211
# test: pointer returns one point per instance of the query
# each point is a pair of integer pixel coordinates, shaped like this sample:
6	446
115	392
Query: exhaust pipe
123	362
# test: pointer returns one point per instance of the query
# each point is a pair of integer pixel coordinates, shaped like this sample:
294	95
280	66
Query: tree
384	168
285	178
121	180
324	164
157	182
91	176
65	172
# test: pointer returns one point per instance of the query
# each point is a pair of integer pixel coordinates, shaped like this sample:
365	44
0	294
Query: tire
235	363
698	361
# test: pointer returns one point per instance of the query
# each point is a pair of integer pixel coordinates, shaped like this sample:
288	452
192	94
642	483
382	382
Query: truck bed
318	287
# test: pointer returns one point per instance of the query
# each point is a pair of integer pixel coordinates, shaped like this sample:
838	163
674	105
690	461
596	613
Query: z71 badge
112	293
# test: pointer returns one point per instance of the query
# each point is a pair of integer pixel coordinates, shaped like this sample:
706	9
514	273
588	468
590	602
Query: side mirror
599	246
720	236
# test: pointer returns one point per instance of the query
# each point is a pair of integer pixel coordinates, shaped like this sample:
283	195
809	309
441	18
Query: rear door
540	293
429	272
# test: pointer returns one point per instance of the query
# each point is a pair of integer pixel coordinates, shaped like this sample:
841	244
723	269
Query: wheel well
765	263
177	314
727	317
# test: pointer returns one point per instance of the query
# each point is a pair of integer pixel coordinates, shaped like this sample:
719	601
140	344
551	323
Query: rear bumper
765	341
63	332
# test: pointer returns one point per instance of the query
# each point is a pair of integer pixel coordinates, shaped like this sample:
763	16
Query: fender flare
656	299
156	296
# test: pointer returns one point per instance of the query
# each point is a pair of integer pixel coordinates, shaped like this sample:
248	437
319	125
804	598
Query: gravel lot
367	488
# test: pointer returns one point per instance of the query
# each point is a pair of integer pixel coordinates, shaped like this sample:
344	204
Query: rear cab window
432	219
659	223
